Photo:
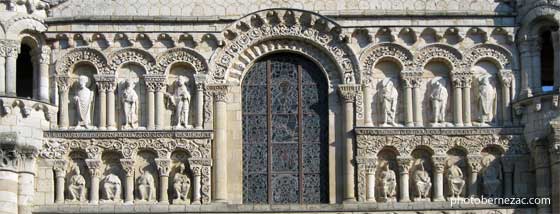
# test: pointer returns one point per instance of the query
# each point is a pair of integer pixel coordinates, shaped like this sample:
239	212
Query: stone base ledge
374	208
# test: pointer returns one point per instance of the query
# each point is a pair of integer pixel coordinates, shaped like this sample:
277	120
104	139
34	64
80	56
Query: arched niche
456	157
77	159
135	73
111	165
27	68
484	107
436	70
422	161
492	175
88	70
386	69
187	71
180	158
386	157
145	162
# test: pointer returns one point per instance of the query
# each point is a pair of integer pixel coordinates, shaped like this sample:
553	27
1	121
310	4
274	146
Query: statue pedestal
417	199
182	202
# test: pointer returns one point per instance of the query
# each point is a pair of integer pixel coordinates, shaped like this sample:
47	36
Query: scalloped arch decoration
90	55
438	51
174	55
135	55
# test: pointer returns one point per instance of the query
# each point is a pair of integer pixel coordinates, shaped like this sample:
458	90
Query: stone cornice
437	131
189	134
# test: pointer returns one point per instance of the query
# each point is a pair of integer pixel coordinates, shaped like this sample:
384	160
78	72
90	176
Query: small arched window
24	73
547	61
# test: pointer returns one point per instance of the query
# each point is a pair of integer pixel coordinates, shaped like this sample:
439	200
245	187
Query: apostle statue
180	99
487	97
438	98
423	182
77	187
83	101
111	186
130	105
181	184
455	180
491	178
389	97
146	186
388	183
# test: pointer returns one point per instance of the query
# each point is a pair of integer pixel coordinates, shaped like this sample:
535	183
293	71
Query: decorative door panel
285	113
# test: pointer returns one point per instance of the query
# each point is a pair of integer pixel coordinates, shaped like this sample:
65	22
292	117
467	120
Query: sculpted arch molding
126	55
372	55
174	55
438	51
89	55
496	53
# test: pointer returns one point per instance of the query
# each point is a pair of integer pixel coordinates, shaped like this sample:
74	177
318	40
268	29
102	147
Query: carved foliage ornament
77	55
131	55
438	51
181	55
371	56
497	53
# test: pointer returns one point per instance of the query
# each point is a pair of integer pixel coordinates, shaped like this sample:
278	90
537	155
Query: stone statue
389	97
77	187
455	180
491	179
439	97
130	105
83	101
181	99
388	184
181	184
487	97
423	182
146	186
112	186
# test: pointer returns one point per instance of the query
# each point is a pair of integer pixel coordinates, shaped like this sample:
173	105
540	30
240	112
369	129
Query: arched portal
285	123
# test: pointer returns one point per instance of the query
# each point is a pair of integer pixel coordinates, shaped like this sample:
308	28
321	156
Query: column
506	77
542	172
151	106
370	179
467	82
12	52
457	102
526	66
220	169
26	184
536	63
200	79
196	196
111	85
439	167
348	97
9	180
59	167
475	164
43	78
155	84
555	36
417	102
159	108
164	166
63	84
404	167
94	170
409	109
2	74
508	162
128	167
35	54
102	105
368	117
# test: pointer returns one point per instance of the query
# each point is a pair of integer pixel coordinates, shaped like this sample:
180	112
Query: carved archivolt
126	55
438	51
372	55
489	51
181	55
270	25
89	55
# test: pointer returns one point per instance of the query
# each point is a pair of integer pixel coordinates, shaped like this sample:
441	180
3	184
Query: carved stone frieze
373	54
438	51
489	51
125	55
181	55
348	93
83	54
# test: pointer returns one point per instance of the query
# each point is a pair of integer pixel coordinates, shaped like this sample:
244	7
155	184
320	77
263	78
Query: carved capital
439	163
63	83
9	156
105	83
219	92
197	170
94	166
200	80
11	48
506	77
128	166
154	82
59	167
404	164
411	81
475	163
163	166
348	92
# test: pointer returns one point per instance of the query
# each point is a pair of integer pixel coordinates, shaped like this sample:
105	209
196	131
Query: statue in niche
491	178
455	180
111	186
487	97
438	98
423	182
146	186
77	187
389	96
182	185
83	101
388	184
130	105
180	99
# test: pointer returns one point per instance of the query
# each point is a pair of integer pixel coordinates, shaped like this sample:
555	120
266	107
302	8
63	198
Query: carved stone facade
372	106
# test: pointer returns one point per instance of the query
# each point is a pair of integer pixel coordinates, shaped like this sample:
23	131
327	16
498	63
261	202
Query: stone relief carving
180	101
84	102
146	186
439	96
388	184
77	187
455	180
389	97
492	177
181	186
487	98
130	105
77	55
372	55
423	183
111	187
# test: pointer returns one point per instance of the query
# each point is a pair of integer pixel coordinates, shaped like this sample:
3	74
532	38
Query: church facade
354	106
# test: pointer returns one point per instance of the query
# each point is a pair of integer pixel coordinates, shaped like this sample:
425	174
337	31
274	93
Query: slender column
220	142
555	36
128	167
367	107
44	61
63	83
94	170
199	80
508	163
111	106
467	82
475	162
370	179
536	62
102	108
409	120
59	167
164	166
196	196
2	74
439	166
417	102
348	97
35	54
526	67
457	102
542	173
159	108
26	181
12	52
9	180
155	85
506	77
404	167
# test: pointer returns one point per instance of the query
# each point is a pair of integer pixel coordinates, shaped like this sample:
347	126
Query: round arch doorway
285	131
